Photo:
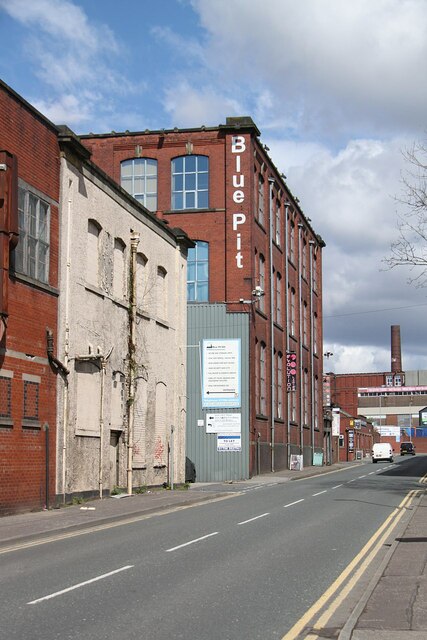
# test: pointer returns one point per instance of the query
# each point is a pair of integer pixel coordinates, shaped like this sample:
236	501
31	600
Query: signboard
291	371
423	417
336	422
296	462
388	431
351	440
228	442
221	366
229	423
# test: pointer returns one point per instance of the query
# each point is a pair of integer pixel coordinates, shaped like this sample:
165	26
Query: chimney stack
396	350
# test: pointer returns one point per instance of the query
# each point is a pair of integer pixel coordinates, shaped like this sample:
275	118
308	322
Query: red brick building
256	252
29	194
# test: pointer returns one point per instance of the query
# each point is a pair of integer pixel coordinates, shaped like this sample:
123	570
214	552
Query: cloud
356	65
73	57
187	105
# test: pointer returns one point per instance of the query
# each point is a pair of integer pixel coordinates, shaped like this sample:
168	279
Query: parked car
382	451
407	448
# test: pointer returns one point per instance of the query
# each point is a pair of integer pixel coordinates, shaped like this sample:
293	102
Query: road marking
337	485
256	518
362	476
371	473
180	546
365	556
111	525
291	504
354	480
318	494
423	480
81	584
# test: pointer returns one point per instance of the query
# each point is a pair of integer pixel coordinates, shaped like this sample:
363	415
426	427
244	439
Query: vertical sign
351	440
291	371
336	422
221	378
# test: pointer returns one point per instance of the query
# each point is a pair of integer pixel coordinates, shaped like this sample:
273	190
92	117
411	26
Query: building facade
393	401
122	335
257	254
29	201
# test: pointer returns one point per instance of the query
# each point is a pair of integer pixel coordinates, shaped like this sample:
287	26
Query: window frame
144	195
196	262
185	191
23	262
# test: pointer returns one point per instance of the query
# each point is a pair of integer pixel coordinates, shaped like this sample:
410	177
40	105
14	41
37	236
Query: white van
382	451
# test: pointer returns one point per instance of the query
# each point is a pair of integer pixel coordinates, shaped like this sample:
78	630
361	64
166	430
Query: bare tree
410	248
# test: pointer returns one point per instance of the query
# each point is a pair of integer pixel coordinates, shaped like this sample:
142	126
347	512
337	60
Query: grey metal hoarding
216	456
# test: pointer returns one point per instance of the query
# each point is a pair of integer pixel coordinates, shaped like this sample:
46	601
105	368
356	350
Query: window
305	397
119	273
292	309
314	273
260	214
118	401
5	396
398	381
190	182
316	402
278	223
305	323
92	256
161	293
292	242
304	259
278	298
261	280
389	381
261	391
315	329
139	178
198	273
32	251
160	444
30	416
141	280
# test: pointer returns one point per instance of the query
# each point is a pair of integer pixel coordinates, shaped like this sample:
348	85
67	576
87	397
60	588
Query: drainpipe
288	413
272	376
301	381
101	427
131	357
313	405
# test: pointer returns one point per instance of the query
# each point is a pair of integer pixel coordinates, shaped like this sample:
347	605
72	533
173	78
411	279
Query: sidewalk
393	607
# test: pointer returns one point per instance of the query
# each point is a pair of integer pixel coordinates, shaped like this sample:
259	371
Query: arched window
139	177
198	273
92	253
162	293
119	273
190	182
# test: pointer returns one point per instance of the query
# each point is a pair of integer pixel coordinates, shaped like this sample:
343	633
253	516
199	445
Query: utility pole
131	357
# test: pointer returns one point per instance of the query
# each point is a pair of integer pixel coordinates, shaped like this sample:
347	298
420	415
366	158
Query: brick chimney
396	350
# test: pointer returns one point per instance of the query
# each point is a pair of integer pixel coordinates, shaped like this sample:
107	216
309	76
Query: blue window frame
198	273
139	177
190	182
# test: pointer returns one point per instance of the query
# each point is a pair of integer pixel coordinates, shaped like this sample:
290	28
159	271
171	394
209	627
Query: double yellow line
347	580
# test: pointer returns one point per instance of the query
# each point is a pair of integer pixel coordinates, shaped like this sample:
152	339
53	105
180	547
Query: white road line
291	504
81	584
256	518
337	485
372	473
192	542
354	480
362	476
319	494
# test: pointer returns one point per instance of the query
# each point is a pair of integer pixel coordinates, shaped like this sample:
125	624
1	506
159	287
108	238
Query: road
247	567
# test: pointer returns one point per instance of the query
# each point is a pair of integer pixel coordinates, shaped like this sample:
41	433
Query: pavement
392	606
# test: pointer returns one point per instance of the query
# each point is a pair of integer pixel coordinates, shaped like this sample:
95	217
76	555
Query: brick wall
28	400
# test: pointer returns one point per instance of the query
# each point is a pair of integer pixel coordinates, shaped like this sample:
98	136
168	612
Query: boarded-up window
140	424
161	293
160	444
118	407
119	274
142	281
92	252
88	398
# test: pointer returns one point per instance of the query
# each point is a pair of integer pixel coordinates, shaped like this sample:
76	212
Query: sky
337	89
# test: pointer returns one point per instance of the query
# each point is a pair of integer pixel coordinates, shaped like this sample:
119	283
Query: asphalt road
243	568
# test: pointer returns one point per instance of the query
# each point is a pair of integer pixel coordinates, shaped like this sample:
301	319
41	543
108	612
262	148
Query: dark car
407	448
